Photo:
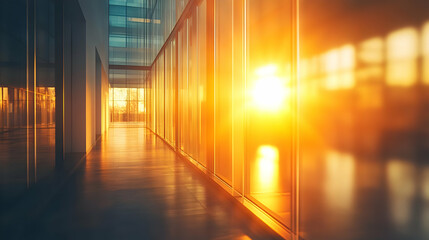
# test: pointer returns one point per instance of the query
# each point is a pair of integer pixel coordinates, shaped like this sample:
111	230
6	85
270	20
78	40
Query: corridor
132	186
210	119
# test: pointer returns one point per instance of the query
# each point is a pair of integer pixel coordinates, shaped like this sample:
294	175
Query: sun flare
269	91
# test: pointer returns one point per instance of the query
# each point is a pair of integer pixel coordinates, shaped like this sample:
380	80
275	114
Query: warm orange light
371	51
142	108
338	65
5	93
120	94
121	105
403	188
144	20
425	52
402	53
339	179
268	164
269	91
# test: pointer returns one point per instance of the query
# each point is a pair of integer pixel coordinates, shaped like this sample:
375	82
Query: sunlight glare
268	164
269	90
402	52
425	52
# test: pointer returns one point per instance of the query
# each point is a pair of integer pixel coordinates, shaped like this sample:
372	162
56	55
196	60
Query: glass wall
45	87
181	57
268	156
13	96
347	145
162	18
151	87
170	93
127	104
27	104
127	95
193	102
128	23
251	91
223	89
201	89
160	93
364	122
182	52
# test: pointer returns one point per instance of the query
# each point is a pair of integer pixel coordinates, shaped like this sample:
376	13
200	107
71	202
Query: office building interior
214	119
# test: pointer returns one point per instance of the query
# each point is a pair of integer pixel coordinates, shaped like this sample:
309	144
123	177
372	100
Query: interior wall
86	30
96	15
97	94
74	78
104	100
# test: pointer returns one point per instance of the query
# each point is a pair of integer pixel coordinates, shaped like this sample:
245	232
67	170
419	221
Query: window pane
223	90
268	107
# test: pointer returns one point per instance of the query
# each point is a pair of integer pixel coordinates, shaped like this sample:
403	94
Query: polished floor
15	156
132	186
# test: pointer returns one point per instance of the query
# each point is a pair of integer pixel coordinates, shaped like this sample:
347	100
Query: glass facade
128	24
127	104
162	17
249	149
128	27
137	31
127	95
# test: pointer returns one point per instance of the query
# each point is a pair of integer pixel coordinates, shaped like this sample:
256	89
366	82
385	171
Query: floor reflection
13	162
360	196
134	187
339	172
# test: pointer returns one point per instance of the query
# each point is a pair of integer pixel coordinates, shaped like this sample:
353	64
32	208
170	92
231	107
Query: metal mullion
30	85
59	84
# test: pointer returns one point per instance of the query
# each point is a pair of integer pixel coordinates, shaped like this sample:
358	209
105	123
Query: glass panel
192	91
153	99
141	105
45	88
183	85
223	90
174	91
238	96
128	23
160	94
160	25
202	80
268	107
169	94
13	100
127	96
133	104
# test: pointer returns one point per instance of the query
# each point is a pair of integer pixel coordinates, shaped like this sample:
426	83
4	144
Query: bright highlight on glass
402	53
268	164
269	90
